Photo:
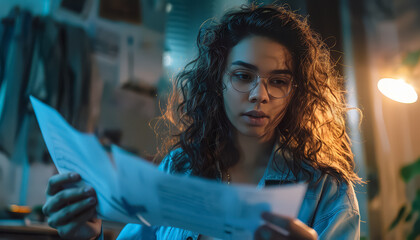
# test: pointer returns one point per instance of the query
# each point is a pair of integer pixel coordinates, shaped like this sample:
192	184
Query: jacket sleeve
337	213
339	224
136	231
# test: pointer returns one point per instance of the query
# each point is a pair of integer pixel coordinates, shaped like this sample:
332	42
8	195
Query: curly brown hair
313	129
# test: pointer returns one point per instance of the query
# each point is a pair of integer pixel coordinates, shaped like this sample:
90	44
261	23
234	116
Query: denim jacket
331	209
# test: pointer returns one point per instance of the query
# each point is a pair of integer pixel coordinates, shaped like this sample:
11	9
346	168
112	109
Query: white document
73	151
134	191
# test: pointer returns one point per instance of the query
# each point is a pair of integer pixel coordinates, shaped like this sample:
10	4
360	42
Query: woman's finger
78	225
66	197
301	231
294	228
81	219
56	182
86	216
279	221
71	212
267	233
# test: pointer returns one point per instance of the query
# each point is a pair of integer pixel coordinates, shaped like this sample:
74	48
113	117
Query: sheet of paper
135	191
73	151
203	206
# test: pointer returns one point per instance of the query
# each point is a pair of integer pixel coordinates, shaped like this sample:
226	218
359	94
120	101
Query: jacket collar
277	171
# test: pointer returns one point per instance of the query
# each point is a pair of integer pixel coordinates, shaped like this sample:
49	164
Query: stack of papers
132	190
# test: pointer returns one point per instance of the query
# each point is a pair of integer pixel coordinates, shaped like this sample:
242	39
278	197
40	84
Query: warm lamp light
397	90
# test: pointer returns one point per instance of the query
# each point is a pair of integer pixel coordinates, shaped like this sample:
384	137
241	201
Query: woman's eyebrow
282	71
255	68
244	64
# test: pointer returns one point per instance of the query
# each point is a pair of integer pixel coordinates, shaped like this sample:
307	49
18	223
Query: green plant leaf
411	59
416	202
398	218
410	171
416	230
409	216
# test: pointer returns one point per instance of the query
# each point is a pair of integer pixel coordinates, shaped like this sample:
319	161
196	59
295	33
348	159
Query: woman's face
255	112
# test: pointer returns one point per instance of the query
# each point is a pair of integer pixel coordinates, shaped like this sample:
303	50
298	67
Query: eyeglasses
278	85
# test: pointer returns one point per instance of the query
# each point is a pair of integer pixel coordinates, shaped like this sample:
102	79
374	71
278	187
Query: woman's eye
243	76
279	81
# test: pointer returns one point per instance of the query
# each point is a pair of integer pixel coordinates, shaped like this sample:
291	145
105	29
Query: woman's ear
223	82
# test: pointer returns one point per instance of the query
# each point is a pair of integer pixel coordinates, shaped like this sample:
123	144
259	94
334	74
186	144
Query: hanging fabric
46	59
15	70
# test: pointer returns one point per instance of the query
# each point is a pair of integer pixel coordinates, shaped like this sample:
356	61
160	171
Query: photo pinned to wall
106	42
79	8
107	49
122	10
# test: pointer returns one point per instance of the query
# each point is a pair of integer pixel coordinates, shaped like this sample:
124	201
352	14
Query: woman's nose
259	93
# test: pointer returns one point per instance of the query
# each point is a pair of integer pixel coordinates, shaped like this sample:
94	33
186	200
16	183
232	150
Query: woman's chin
256	133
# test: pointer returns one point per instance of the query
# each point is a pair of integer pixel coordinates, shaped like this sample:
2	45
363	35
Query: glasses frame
259	77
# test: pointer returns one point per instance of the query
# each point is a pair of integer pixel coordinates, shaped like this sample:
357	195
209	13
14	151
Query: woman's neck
253	152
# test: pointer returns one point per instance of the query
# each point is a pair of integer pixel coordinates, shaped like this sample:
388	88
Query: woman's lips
255	121
255	113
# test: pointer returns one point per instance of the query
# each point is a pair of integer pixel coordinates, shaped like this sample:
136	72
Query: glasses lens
279	85
243	80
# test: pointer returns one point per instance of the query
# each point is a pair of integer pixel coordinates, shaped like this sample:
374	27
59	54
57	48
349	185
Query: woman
260	104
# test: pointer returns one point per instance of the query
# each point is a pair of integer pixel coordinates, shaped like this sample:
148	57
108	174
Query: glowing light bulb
167	59
397	90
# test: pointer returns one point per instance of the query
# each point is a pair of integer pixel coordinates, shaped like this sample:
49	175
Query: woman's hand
71	210
275	226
